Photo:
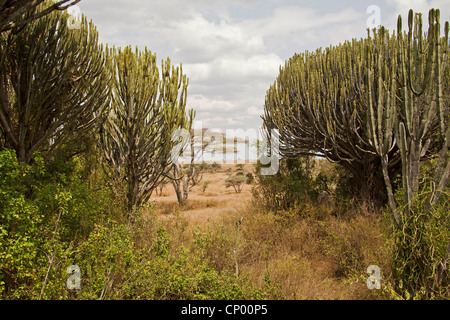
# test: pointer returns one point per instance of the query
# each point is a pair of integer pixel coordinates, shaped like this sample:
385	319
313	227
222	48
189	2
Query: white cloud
418	5
254	66
255	111
230	61
198	71
202	103
299	28
198	40
402	7
230	70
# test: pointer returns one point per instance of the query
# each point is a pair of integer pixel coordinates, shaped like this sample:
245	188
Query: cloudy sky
231	50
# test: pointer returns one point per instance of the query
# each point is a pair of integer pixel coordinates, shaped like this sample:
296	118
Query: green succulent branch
53	87
146	107
415	114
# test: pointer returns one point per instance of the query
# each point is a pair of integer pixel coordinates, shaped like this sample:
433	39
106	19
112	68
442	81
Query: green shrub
45	209
236	181
205	185
421	257
115	267
52	219
20	231
353	244
293	184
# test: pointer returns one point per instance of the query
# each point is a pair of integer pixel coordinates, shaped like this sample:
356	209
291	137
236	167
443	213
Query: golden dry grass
306	257
206	206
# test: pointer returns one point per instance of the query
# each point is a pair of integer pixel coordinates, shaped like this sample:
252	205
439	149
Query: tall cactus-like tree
344	103
146	107
408	108
52	84
382	101
317	105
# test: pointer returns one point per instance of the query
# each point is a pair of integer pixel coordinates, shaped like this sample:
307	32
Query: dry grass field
304	258
214	203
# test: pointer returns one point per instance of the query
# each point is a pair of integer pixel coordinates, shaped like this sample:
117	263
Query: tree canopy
319	105
53	86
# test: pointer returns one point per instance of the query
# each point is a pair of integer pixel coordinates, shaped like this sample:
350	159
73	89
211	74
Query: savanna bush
50	219
45	209
116	264
310	257
293	184
355	243
421	255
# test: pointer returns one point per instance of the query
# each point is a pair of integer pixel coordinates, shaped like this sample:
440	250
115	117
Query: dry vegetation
78	184
312	255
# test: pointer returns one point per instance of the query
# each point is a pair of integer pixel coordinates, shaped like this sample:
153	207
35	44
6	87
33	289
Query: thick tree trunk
367	183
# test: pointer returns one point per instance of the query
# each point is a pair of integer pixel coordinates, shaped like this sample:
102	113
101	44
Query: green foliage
50	219
52	83
185	275
357	103
236	181
19	225
205	185
43	214
291	185
147	106
116	265
421	256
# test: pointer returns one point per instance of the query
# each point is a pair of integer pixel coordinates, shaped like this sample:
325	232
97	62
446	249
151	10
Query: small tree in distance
236	181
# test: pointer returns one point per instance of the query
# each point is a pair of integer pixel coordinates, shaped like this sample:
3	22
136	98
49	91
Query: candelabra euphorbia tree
147	106
407	107
53	87
317	106
322	104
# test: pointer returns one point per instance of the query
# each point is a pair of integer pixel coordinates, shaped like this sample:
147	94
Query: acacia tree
146	107
12	11
186	176
236	181
52	84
